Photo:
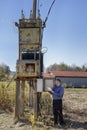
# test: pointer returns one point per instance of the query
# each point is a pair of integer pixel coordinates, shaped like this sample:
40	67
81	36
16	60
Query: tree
65	67
52	67
55	66
4	71
84	67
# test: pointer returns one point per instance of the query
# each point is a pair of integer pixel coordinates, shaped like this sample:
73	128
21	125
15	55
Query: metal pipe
34	8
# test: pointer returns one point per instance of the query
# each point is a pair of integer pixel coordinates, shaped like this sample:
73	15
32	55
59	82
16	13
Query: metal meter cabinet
27	68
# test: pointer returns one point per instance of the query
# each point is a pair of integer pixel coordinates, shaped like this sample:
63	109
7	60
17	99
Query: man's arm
50	91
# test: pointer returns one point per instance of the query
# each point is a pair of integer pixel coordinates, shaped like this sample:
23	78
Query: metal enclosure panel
48	83
30	35
39	85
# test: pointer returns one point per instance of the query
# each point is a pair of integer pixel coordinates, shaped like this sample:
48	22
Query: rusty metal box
27	68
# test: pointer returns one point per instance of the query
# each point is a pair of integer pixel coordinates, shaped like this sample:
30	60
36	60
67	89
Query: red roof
65	74
48	75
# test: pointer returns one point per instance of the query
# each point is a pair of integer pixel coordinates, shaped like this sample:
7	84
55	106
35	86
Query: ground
74	109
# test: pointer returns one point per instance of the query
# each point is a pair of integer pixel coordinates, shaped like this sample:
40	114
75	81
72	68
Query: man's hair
58	80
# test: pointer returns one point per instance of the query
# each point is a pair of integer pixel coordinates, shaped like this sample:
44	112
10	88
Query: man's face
57	83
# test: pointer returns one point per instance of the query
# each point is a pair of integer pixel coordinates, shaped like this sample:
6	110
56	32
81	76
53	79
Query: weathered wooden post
31	94
17	105
35	100
39	92
22	92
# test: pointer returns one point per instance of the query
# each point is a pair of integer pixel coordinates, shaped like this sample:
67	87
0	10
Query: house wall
74	81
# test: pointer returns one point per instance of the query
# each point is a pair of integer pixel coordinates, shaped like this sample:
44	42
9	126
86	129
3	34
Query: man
57	92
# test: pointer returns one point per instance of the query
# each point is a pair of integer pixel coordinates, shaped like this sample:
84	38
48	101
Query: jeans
57	111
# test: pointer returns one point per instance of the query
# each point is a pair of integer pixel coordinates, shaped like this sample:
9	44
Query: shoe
62	123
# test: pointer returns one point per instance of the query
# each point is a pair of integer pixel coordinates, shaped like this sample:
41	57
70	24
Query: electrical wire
49	11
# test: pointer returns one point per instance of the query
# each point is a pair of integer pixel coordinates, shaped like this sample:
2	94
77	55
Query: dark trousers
57	111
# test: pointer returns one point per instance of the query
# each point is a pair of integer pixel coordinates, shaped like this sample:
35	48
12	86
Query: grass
74	105
7	95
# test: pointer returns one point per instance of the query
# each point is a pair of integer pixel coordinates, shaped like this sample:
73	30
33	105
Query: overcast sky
65	34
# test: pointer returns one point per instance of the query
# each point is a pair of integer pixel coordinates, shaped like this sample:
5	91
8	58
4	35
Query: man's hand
50	90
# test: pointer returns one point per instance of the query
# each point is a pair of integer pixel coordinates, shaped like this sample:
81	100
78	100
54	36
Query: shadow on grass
70	124
75	124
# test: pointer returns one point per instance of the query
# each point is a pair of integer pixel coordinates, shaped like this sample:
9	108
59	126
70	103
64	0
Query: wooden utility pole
35	100
31	87
22	98
17	108
34	8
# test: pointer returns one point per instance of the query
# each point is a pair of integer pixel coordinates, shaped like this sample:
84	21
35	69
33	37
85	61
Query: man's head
57	82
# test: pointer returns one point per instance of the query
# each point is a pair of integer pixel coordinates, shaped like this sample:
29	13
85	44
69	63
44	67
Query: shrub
46	103
64	85
6	100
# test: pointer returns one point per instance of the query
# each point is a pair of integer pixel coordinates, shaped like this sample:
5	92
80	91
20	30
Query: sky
65	34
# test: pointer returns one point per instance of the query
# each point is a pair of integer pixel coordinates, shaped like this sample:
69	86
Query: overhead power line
49	11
